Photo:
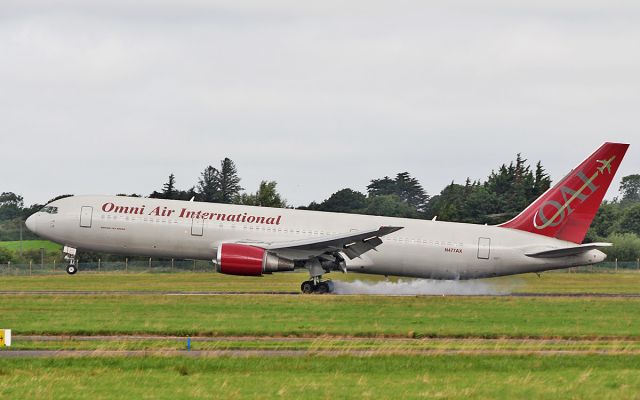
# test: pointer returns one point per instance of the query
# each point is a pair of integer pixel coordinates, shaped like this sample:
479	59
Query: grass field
330	345
496	377
31	245
323	315
552	282
363	316
398	326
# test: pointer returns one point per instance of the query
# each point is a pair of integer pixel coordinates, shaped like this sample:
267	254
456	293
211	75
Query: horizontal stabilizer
568	251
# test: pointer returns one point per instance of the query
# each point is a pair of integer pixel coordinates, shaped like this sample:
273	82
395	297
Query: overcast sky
113	96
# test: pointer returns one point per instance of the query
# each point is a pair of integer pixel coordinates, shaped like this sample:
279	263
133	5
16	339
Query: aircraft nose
32	223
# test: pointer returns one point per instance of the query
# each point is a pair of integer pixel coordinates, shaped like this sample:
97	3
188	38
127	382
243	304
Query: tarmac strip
135	293
273	293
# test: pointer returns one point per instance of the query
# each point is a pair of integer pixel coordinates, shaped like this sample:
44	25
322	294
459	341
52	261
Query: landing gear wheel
71	269
322	288
307	287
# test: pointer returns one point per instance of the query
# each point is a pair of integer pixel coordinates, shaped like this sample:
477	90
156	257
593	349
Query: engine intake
241	259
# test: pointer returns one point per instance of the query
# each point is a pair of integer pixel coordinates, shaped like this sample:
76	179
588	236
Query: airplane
252	241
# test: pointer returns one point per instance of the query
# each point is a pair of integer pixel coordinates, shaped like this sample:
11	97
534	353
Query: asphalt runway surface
273	293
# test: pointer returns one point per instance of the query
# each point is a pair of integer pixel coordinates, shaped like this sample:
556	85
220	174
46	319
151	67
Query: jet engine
241	259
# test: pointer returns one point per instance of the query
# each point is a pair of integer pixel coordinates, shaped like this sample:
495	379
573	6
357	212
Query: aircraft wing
352	244
568	251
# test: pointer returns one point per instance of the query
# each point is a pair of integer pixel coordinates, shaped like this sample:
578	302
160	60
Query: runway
138	293
284	293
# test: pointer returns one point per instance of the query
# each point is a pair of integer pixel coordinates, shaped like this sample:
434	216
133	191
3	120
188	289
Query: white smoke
421	287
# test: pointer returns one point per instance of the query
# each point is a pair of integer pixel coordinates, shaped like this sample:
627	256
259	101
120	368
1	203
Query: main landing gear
319	266
309	287
70	256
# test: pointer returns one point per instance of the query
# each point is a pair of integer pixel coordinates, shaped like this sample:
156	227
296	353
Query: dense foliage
505	192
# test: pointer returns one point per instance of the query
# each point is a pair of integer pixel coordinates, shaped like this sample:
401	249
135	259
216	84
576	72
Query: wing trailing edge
353	244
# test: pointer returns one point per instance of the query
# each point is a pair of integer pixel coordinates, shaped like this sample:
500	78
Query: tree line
222	186
505	192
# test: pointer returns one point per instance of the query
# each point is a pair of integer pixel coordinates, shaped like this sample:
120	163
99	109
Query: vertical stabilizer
566	210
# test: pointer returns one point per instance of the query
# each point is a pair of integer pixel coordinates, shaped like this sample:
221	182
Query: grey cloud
113	96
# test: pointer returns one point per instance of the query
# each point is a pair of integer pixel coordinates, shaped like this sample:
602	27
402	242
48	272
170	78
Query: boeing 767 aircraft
251	241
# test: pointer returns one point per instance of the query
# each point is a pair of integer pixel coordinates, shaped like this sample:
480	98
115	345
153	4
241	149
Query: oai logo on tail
569	195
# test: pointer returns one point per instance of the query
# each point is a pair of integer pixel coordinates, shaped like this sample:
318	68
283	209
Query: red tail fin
566	210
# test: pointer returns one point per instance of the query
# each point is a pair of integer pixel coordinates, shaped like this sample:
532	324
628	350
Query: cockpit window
49	210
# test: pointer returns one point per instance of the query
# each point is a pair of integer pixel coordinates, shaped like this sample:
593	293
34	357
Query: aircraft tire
71	269
307	287
323	287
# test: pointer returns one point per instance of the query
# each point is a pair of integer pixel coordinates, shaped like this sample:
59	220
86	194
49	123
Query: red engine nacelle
241	259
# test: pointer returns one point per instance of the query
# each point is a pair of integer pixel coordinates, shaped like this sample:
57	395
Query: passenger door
86	215
484	248
197	227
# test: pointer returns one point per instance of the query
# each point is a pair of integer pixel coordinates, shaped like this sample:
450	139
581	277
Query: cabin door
86	213
484	248
197	227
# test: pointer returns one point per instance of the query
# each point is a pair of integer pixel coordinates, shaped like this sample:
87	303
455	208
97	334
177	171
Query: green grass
186	281
564	282
376	324
31	245
331	344
364	316
555	282
499	377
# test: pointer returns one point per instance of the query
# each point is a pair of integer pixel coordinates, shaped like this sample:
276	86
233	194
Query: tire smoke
420	287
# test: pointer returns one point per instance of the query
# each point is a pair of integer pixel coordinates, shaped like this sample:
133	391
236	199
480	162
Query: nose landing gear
70	255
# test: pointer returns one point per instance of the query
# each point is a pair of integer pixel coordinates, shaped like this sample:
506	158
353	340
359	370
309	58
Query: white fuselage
194	230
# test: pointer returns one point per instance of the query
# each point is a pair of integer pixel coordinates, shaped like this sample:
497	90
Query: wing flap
353	244
359	248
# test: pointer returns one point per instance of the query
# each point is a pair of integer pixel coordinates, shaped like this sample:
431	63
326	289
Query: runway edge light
5	337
